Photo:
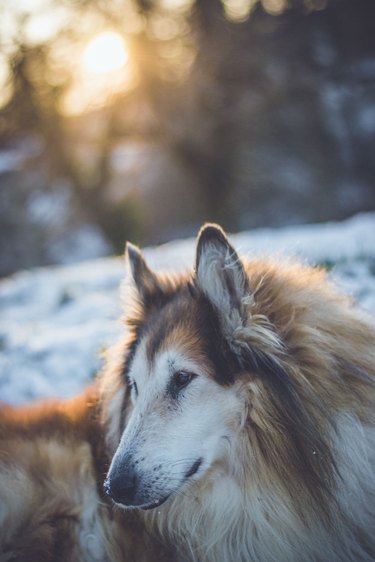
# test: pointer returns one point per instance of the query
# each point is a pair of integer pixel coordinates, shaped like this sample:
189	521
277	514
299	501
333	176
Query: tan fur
52	466
327	341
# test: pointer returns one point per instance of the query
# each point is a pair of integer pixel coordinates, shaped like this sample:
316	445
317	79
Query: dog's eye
181	379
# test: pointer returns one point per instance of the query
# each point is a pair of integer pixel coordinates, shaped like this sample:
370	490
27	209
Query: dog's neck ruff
222	519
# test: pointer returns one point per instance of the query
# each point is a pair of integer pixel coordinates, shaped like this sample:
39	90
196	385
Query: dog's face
180	424
207	383
184	406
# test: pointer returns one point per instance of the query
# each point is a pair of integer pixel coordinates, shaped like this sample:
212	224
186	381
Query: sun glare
105	53
104	69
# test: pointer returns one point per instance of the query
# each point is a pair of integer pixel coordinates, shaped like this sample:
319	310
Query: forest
141	119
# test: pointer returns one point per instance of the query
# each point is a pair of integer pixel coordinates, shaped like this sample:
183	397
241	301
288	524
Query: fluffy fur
52	508
234	423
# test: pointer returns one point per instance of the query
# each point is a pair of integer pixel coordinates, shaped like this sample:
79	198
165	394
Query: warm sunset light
105	53
103	70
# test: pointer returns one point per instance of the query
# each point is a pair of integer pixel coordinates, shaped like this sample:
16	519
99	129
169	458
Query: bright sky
44	19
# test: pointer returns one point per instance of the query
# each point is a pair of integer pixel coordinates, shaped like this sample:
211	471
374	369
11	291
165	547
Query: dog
234	422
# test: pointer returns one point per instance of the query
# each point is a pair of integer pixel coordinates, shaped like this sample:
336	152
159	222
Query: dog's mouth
192	470
155	504
126	495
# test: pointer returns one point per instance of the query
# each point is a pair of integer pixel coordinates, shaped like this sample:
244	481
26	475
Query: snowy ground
54	322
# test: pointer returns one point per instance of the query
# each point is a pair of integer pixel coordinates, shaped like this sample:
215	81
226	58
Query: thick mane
235	519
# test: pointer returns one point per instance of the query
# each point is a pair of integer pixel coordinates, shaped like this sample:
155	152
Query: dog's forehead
189	324
175	354
172	340
175	326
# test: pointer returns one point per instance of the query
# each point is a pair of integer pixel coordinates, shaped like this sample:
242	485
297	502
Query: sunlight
105	53
104	69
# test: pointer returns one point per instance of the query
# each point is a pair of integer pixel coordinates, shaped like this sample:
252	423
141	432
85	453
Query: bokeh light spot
105	53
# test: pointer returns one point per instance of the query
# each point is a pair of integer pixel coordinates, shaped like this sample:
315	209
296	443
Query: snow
14	158
55	322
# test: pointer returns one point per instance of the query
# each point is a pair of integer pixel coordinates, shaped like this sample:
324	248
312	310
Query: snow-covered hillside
55	322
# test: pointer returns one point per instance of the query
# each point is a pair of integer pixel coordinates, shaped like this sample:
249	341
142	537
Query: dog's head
210	388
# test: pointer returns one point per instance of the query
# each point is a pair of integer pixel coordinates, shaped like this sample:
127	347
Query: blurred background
140	119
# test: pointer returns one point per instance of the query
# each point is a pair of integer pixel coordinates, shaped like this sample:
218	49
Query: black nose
121	486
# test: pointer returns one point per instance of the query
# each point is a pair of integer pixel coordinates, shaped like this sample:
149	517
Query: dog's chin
154	505
144	506
189	473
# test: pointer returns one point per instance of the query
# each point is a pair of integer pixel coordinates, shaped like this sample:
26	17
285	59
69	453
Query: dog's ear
145	280
220	274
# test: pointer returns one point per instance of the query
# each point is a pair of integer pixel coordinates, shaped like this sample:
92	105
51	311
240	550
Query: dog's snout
122	486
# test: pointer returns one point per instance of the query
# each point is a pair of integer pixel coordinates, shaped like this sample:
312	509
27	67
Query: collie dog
234	423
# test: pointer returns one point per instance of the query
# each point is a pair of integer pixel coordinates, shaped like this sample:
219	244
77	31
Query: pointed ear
145	280
220	274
